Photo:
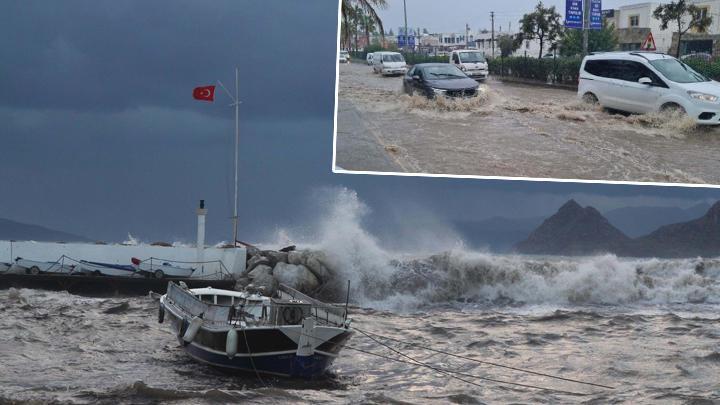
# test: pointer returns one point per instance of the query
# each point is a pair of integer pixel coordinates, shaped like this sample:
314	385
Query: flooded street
513	130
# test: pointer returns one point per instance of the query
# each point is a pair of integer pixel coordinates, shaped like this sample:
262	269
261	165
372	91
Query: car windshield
344	53
472	57
442	72
393	57
677	71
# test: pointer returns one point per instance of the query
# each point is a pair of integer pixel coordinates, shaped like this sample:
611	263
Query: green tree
508	44
684	16
543	24
605	39
347	15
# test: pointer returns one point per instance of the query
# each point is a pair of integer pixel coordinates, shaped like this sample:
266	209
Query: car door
638	97
408	80
602	83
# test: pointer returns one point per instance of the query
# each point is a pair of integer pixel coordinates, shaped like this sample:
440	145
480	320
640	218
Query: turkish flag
205	93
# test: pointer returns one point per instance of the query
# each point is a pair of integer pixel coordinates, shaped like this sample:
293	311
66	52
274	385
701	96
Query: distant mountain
497	234
11	230
638	221
699	237
574	230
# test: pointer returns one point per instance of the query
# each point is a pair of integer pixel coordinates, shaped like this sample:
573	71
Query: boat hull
271	350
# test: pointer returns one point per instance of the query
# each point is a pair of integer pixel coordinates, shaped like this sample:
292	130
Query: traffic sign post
649	43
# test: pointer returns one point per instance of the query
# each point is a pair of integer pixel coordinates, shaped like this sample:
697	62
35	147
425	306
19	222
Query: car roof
433	64
381	52
630	55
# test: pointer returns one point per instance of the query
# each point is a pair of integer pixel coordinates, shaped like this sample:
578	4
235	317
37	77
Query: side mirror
416	77
645	80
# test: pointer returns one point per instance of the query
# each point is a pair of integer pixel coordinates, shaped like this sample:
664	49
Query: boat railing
256	313
323	312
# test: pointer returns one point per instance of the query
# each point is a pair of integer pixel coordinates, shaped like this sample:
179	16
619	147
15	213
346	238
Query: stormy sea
457	326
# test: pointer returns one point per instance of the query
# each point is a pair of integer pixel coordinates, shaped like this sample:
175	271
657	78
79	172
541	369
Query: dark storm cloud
105	55
100	136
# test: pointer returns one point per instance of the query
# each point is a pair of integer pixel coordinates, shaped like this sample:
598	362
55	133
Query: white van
642	82
344	57
369	58
389	63
472	62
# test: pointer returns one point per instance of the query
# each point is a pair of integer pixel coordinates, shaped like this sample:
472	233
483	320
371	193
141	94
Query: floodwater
514	130
649	329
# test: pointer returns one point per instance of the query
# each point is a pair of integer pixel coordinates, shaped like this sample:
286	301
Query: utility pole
586	26
407	39
467	40
492	32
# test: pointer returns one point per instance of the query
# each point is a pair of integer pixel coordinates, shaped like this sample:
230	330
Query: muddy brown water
516	130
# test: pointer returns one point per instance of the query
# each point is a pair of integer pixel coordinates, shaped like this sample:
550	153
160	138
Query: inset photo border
464	99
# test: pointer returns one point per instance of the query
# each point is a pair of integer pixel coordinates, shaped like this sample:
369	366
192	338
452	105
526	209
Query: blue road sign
596	18
574	14
403	44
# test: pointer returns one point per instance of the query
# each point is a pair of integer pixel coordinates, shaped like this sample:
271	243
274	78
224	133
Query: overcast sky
452	15
100	135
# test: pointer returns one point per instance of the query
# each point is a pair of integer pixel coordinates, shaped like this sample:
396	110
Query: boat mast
237	141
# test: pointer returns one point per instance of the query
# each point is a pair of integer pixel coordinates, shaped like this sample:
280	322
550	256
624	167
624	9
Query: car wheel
590	98
159	274
671	108
34	270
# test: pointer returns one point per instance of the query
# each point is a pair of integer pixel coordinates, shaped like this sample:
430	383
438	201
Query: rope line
485	362
443	371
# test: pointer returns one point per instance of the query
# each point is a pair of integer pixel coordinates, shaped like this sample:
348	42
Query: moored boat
289	335
25	266
104	269
161	269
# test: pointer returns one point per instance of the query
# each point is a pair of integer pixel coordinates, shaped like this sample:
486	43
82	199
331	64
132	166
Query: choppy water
653	348
649	328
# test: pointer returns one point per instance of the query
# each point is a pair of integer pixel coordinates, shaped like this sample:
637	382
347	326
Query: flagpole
237	141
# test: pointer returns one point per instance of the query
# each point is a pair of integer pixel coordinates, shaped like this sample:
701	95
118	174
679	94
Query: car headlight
440	92
703	96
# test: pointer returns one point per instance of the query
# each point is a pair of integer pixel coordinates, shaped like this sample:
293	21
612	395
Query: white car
643	82
471	62
389	63
369	58
344	57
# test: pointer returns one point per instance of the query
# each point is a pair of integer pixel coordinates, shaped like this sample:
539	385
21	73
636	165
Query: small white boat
288	335
25	266
104	269
159	269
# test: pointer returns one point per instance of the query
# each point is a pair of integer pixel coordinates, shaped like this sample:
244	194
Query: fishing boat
25	266
104	269
289	335
161	269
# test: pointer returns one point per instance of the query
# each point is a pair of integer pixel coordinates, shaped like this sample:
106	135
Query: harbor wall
233	259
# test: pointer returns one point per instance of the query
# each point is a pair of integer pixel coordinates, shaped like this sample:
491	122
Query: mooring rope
252	362
482	361
444	371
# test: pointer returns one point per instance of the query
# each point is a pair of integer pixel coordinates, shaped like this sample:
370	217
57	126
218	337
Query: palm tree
347	11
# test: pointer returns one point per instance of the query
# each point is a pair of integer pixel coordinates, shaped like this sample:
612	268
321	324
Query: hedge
558	70
711	69
410	58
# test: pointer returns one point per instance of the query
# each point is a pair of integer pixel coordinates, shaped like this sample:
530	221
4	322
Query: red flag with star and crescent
204	93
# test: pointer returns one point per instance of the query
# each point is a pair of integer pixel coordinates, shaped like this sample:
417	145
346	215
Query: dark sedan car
439	79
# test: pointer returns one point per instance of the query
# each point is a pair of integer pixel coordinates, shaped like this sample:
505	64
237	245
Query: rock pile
306	271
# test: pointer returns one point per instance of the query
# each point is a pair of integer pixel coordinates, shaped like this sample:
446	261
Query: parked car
700	55
439	79
344	57
473	63
642	82
369	58
389	63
